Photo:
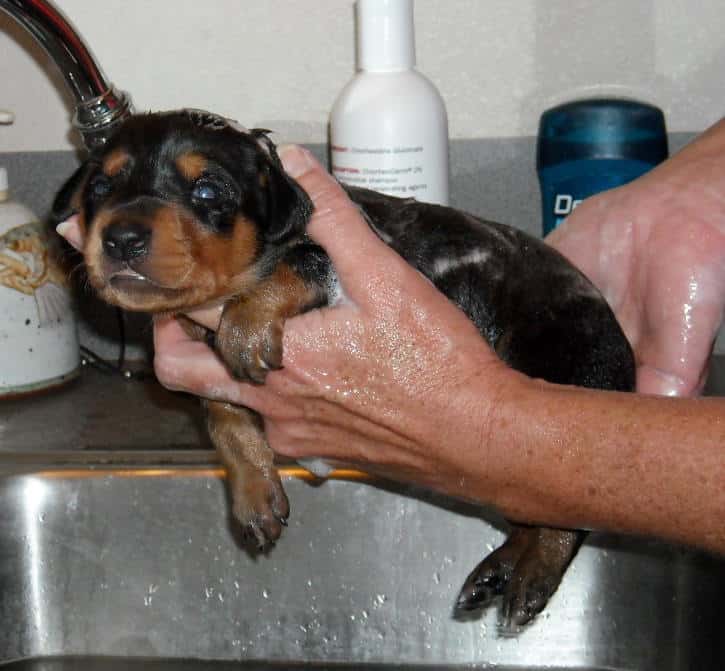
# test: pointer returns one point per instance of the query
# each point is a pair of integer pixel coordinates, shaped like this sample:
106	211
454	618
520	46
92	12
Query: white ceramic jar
38	334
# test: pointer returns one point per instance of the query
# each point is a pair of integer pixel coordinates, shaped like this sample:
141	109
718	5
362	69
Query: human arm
399	383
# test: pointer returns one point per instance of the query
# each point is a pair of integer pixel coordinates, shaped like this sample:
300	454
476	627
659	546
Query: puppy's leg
258	500
259	503
526	570
249	339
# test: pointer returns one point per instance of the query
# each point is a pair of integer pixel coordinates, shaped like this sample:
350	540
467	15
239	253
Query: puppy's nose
124	242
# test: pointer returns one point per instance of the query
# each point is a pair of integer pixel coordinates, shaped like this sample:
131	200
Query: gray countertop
99	414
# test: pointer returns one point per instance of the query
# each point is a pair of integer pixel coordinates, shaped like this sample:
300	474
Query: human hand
395	380
656	250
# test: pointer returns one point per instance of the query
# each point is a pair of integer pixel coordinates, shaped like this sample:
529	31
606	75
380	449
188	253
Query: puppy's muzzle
126	241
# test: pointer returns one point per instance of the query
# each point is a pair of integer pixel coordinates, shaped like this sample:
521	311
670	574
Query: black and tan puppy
184	209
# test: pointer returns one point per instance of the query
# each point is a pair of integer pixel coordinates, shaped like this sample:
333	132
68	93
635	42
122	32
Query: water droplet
265	594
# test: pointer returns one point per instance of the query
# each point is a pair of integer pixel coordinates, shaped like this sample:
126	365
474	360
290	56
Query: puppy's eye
100	186
205	191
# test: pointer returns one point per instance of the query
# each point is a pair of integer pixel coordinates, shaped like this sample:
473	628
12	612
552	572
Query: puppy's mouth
128	278
132	289
128	273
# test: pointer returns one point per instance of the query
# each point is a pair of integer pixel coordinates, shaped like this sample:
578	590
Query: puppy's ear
288	207
68	200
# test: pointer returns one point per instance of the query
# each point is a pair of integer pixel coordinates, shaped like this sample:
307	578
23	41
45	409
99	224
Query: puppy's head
180	209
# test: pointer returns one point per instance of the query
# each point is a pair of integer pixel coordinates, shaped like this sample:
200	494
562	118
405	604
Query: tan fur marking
189	264
249	338
115	161
258	499
287	293
191	165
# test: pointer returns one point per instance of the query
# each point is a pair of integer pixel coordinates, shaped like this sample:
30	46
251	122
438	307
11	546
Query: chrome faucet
100	107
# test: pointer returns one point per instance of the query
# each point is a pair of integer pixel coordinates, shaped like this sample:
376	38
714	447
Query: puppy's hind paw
486	582
526	571
527	595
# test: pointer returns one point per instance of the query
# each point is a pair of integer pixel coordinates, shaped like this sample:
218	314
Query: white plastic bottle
388	126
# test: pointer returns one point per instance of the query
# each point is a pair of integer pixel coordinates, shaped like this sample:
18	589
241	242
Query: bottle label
565	186
396	171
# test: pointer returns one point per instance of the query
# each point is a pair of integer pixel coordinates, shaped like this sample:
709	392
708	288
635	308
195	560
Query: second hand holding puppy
656	250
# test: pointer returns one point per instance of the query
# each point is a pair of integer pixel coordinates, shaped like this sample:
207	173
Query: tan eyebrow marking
191	165
115	161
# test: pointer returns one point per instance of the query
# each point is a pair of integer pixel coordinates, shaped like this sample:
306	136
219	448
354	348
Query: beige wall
279	63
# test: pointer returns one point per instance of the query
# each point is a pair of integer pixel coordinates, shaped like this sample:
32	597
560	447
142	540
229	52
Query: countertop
99	413
109	417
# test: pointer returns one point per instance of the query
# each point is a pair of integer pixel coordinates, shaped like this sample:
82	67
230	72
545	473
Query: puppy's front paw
261	507
250	342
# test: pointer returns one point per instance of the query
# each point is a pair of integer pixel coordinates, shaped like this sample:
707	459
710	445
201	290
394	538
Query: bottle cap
385	35
602	128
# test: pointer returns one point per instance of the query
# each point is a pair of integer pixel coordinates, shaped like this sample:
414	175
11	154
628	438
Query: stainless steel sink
138	566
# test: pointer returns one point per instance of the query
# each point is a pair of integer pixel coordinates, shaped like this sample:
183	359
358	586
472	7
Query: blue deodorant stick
588	146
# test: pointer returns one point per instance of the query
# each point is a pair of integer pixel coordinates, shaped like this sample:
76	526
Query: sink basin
123	663
138	566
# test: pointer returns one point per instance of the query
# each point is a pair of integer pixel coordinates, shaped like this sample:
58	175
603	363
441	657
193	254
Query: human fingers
599	238
184	364
70	229
683	312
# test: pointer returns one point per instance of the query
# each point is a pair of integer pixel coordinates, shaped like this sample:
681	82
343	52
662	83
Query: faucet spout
100	107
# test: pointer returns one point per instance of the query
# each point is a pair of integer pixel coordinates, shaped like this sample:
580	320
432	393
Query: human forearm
396	381
621	462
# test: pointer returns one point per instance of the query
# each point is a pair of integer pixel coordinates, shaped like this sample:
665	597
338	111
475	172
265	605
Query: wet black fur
280	208
542	316
540	313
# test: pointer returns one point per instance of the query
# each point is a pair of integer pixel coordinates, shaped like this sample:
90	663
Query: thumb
359	256
70	229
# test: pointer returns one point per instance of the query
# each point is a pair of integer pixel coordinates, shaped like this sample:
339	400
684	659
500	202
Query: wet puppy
184	209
